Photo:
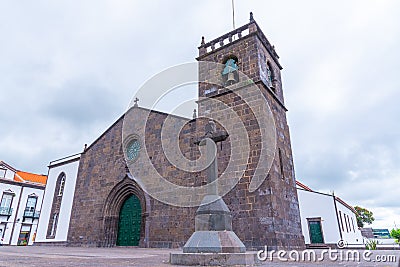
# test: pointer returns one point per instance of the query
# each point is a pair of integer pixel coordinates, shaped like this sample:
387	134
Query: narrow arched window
54	224
61	185
281	164
56	205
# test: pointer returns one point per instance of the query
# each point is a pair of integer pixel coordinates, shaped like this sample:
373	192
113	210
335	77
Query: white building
59	195
21	197
326	219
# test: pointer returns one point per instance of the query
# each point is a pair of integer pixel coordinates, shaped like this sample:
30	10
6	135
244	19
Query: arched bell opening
230	74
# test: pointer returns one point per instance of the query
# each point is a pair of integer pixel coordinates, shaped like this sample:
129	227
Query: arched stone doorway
130	217
126	197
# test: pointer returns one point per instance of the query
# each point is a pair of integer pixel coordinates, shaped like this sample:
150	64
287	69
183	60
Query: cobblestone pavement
11	256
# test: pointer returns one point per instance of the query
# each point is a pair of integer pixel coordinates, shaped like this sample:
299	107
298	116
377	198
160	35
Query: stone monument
213	242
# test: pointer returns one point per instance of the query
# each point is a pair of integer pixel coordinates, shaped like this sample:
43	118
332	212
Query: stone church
96	198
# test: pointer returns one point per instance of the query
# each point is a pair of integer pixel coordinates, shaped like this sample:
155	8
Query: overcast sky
68	70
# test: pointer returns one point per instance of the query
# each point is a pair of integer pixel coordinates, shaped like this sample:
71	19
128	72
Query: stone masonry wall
270	215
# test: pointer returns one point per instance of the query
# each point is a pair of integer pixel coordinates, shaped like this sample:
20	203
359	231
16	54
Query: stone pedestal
213	242
215	259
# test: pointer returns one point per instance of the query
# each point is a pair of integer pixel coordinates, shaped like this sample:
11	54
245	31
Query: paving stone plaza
11	256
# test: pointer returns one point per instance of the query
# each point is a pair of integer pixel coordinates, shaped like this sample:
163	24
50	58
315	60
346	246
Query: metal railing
236	34
28	213
5	211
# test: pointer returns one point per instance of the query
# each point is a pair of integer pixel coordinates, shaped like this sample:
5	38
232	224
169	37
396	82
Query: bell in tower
230	72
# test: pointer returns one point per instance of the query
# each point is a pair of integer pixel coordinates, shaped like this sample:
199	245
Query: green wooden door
130	217
316	232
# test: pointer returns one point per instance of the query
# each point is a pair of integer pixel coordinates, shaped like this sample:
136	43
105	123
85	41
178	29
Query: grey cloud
81	103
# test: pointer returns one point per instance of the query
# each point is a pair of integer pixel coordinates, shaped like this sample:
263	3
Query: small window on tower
270	76
281	164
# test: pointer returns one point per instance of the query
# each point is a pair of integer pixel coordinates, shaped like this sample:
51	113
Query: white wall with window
27	216
9	194
326	219
19	208
58	200
348	224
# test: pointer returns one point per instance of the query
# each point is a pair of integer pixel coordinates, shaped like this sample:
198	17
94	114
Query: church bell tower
268	216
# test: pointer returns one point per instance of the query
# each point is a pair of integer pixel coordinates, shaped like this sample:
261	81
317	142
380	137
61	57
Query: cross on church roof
136	102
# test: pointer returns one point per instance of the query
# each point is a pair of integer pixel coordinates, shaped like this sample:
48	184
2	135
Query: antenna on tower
233	13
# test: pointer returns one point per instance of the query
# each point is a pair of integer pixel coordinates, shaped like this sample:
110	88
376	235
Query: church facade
102	203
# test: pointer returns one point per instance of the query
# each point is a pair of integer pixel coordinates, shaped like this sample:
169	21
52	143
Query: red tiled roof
30	177
304	186
345	204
